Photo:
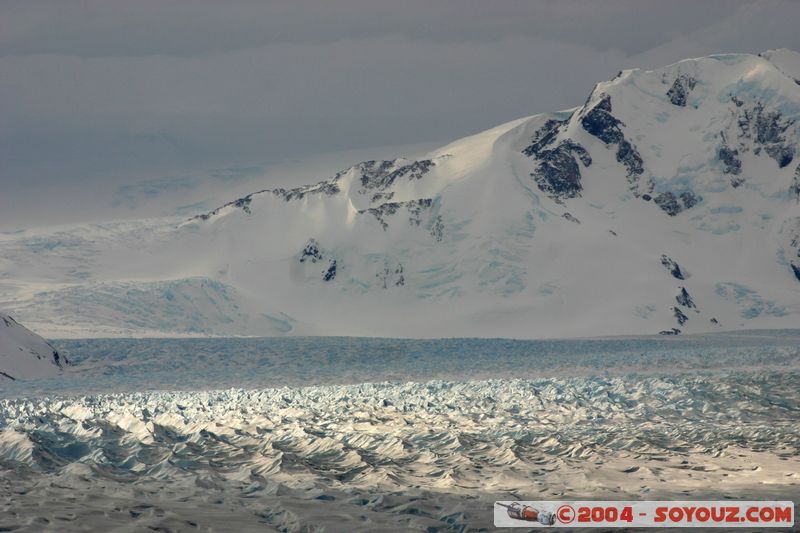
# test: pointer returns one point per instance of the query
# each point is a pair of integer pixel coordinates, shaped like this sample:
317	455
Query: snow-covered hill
24	354
667	202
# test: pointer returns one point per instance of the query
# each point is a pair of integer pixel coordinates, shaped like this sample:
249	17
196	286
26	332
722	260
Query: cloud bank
101	95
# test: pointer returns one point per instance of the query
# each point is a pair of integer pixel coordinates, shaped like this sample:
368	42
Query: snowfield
695	417
668	202
25	355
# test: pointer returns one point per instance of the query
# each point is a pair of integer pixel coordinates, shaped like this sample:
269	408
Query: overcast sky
147	97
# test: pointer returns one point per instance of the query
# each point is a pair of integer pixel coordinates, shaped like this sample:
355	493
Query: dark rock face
571	218
375	176
769	130
544	137
784	155
793	248
670	204
689	199
673	331
766	130
558	173
330	273
327	188
795	188
415	209
683	298
795	269
378	175
437	228
730	160
714	321
680	89
673	267
400	280
629	156
241	203
58	359
600	123
758	129
310	252
381	197
679	316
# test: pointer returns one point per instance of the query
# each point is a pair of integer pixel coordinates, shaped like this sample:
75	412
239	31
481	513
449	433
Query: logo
566	514
725	514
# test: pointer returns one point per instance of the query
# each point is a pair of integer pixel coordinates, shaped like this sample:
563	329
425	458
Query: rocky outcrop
437	228
672	267
796	269
557	174
326	188
683	298
765	130
330	272
672	204
599	122
380	175
681	87
240	203
790	231
313	253
755	128
679	316
769	128
730	158
310	252
415	208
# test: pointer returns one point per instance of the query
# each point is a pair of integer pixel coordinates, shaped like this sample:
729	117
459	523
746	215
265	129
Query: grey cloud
157	27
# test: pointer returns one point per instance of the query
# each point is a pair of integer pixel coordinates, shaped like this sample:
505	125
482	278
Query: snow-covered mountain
667	202
24	354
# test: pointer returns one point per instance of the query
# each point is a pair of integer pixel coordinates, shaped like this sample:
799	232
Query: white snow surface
391	457
25	355
467	241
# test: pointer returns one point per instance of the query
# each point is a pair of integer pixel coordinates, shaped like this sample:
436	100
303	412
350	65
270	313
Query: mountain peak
668	201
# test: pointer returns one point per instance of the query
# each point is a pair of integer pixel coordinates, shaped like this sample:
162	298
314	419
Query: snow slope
25	355
667	202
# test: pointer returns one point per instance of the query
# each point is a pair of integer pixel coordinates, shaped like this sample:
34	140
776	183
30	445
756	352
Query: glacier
167	434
